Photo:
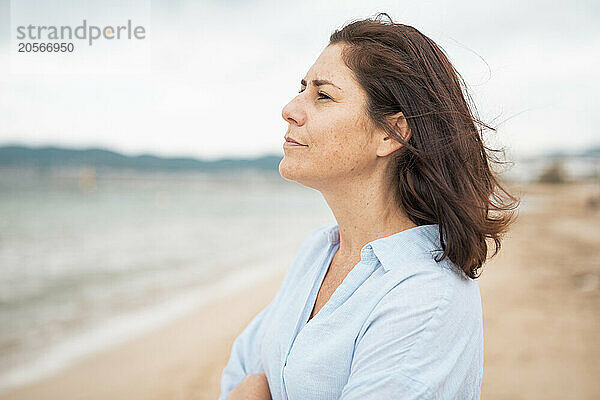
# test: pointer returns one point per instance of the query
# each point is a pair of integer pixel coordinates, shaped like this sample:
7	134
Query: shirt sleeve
245	357
417	344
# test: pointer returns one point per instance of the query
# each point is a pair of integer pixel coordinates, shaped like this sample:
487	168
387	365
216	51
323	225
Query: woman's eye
322	96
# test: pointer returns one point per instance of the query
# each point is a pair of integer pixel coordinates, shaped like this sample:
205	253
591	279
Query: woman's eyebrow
320	82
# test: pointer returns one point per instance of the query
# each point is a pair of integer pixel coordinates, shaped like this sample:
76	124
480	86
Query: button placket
304	317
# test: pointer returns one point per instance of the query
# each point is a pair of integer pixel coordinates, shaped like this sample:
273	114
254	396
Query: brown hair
442	172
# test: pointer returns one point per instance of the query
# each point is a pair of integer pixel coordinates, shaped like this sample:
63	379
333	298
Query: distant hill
592	151
22	156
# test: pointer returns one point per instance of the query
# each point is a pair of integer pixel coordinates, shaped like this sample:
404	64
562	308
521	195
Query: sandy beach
541	300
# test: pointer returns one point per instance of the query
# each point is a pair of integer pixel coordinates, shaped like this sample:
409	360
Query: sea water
88	259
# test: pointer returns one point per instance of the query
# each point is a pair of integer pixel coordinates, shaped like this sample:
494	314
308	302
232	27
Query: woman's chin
287	171
291	170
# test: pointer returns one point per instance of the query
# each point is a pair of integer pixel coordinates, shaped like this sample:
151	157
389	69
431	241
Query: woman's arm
253	387
245	355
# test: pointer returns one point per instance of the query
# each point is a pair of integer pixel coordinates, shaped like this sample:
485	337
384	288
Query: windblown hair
442	173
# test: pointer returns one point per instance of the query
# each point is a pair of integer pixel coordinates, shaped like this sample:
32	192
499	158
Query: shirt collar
418	243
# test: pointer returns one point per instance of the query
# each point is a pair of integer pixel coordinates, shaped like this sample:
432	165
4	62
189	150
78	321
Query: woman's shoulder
439	284
412	266
435	308
433	295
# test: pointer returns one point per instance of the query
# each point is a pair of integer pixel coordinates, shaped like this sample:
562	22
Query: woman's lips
291	142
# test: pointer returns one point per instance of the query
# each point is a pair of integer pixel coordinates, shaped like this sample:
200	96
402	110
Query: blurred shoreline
172	362
119	329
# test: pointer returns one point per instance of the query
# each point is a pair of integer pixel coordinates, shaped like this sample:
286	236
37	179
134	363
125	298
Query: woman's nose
293	113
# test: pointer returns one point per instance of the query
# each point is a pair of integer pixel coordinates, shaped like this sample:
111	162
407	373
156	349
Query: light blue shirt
400	326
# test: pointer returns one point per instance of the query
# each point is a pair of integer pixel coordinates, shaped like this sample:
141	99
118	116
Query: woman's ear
387	143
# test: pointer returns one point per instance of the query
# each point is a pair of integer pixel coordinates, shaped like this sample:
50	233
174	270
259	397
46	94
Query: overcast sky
211	77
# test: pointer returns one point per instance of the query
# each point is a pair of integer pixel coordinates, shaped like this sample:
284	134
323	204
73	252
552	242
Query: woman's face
328	118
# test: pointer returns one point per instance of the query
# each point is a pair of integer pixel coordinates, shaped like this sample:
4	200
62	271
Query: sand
541	300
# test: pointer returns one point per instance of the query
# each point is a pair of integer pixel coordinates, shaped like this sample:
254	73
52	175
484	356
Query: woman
383	303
